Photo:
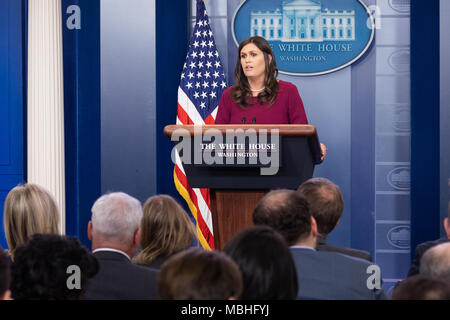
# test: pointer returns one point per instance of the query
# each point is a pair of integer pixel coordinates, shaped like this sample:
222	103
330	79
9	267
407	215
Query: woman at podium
258	97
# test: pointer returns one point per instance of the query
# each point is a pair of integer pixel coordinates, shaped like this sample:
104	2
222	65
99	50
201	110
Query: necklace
258	90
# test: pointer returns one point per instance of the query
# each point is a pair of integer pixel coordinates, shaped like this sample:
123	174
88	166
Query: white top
112	250
303	247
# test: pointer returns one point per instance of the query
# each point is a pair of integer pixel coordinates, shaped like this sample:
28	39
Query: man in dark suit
321	274
423	247
114	231
326	205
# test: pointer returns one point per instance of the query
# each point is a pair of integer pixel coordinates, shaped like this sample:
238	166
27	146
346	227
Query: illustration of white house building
303	20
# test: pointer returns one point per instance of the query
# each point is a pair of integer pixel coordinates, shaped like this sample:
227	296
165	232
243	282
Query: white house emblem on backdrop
402	6
308	37
399	178
399	237
303	21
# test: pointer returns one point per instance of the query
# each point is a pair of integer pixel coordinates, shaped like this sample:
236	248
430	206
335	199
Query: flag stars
202	75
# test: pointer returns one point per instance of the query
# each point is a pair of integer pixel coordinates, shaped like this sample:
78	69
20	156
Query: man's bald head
435	262
287	212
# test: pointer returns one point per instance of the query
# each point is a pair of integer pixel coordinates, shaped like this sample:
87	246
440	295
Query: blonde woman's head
165	229
29	209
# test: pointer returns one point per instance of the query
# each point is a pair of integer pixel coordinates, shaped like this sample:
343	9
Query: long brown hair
241	92
165	229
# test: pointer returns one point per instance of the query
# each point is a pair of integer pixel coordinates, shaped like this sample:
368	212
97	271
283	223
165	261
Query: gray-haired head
435	262
116	217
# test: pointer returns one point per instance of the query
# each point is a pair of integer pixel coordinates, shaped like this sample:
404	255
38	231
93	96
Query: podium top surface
284	129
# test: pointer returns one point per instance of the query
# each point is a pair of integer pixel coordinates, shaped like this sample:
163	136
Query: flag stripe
182	116
189	107
204	234
200	196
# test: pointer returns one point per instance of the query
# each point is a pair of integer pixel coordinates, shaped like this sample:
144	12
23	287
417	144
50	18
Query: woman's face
252	61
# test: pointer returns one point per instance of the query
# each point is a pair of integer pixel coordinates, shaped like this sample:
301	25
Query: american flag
201	86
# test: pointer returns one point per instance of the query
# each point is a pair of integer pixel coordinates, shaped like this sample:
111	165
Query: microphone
243	120
253	120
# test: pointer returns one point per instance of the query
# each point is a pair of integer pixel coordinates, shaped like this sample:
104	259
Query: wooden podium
235	189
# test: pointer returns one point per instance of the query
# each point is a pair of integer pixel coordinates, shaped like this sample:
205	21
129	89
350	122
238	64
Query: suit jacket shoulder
119	278
332	275
322	245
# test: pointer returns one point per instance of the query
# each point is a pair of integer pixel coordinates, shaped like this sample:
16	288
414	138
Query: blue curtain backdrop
12	99
81	58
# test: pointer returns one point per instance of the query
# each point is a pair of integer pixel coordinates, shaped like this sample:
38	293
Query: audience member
197	274
165	230
421	288
114	231
423	247
265	261
326	205
40	270
435	262
29	209
321	274
5	276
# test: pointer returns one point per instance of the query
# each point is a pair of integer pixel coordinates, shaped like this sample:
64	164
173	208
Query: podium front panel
296	166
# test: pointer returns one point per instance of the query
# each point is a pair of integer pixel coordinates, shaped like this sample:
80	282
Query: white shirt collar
303	247
112	250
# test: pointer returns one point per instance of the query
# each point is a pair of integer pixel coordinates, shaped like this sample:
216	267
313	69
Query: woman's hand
324	151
